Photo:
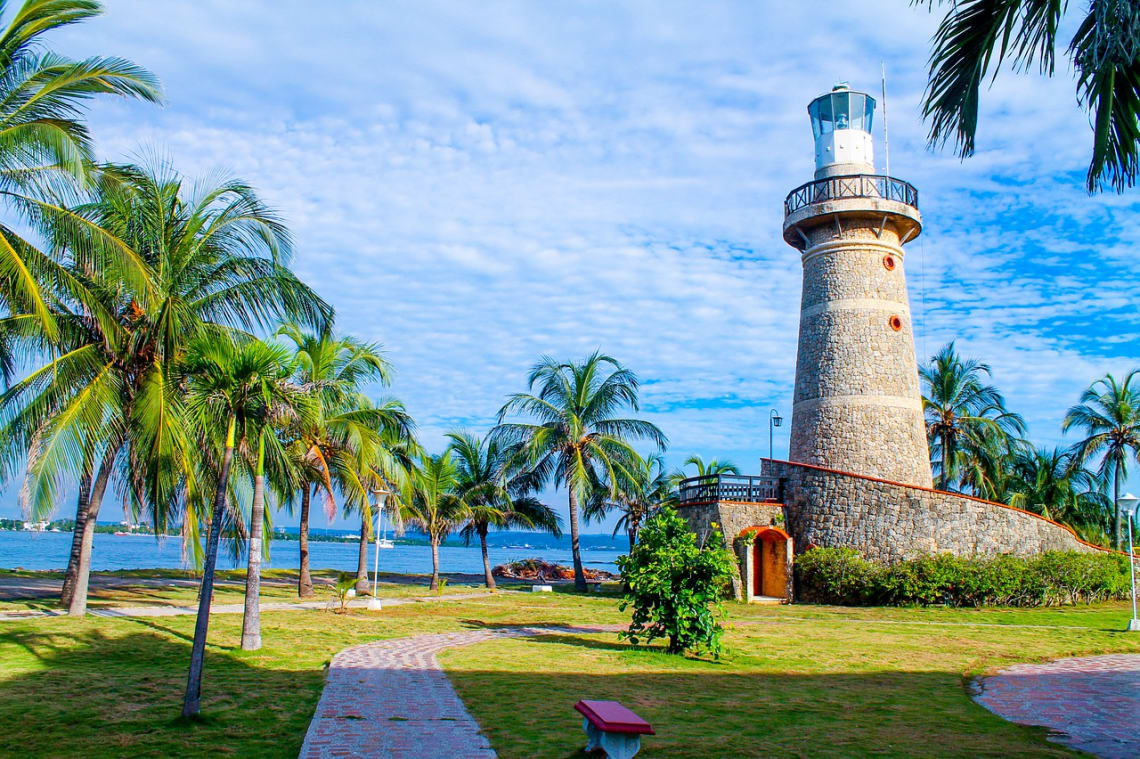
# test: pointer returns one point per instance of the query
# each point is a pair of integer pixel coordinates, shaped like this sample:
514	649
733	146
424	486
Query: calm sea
49	550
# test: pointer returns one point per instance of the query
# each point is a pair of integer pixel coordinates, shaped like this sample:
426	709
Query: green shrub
675	586
842	576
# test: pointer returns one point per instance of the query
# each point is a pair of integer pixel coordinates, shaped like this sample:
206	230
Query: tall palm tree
349	432
646	487
487	480
104	401
1109	415
576	440
431	501
977	36
959	405
229	387
46	154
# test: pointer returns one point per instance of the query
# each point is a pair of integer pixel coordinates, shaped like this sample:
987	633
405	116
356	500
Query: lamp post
381	499
1127	504
774	420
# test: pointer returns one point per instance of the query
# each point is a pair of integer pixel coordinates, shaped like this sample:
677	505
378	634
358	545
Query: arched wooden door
769	564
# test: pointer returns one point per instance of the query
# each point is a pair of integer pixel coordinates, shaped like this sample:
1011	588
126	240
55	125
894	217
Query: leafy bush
675	586
842	576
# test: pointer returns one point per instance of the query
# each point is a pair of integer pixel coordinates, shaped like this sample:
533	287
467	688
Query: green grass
797	681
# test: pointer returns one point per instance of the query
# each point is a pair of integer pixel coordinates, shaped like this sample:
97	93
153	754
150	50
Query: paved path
390	699
175	611
1092	702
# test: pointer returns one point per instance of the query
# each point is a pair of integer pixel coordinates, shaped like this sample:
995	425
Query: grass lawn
798	681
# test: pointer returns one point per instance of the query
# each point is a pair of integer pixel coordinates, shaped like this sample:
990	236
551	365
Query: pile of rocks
537	569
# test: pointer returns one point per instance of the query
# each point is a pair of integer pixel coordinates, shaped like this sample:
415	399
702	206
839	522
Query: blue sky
476	184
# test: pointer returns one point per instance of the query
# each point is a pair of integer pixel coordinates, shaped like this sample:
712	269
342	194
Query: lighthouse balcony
851	186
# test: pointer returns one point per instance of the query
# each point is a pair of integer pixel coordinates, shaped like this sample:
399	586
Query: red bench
612	728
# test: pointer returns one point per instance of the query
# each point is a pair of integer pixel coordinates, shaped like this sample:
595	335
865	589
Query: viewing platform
730	487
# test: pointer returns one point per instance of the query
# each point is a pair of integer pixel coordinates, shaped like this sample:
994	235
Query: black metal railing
730	487
853	186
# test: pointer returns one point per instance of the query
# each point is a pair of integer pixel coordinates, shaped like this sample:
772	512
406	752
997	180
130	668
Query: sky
477	184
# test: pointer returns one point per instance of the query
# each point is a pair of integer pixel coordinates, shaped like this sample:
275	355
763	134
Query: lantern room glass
842	109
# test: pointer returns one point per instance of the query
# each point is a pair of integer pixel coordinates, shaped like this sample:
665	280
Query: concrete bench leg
621	746
616	745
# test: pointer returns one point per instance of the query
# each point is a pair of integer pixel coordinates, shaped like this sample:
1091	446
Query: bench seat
612	728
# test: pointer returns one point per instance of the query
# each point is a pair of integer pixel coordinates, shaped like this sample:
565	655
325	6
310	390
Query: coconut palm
576	440
976	37
712	467
1050	483
431	501
646	487
331	450
487	480
231	389
46	153
959	406
1109	416
104	401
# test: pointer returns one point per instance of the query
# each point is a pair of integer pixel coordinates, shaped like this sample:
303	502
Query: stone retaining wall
732	518
889	521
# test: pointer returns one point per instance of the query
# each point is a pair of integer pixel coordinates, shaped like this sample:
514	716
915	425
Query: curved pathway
1092	702
390	699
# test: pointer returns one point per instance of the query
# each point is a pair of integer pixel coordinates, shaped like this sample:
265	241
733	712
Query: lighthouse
857	405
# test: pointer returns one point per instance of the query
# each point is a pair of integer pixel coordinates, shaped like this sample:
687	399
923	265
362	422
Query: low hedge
842	576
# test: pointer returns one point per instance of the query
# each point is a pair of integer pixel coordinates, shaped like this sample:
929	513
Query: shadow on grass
99	695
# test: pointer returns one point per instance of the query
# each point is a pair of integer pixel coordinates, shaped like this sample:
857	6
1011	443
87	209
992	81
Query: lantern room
841	124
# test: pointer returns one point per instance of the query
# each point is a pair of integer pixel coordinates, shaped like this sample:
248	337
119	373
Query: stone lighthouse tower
857	405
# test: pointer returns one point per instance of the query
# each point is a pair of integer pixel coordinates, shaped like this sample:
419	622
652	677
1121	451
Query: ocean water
49	550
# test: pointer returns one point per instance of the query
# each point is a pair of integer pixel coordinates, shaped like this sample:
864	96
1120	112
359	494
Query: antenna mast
886	139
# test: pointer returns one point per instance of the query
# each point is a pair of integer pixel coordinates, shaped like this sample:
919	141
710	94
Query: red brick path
391	700
1093	702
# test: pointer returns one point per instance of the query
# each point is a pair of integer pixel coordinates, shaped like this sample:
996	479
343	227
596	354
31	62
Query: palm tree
1050	483
104	400
576	440
230	386
646	488
331	448
46	153
978	36
959	405
485	480
1109	415
713	467
432	502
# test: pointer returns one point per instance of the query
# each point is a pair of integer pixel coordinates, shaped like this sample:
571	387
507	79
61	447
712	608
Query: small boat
385	543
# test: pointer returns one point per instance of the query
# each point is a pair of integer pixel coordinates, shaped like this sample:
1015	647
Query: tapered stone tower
857	405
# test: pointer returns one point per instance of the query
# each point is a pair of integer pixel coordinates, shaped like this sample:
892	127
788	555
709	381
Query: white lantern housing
841	123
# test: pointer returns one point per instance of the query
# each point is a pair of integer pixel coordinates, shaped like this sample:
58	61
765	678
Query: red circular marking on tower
889	263
895	322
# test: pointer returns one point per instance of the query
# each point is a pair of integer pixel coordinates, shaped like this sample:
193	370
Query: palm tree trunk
362	558
575	548
945	461
192	703
69	578
434	563
488	578
77	607
251	620
305	580
1116	502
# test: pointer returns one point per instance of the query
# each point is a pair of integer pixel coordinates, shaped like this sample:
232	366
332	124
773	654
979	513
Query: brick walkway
391	700
1093	703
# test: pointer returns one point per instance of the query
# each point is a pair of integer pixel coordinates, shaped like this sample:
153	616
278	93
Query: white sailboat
383	541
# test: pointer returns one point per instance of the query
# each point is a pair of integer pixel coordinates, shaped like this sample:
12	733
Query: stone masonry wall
889	521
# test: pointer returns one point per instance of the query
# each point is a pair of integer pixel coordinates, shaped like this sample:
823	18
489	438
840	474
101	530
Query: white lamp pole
1128	504
381	499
